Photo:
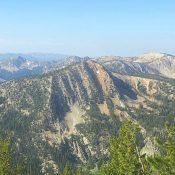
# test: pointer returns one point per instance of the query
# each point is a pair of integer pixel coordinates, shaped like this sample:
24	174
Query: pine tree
164	164
67	170
4	157
78	172
6	165
125	155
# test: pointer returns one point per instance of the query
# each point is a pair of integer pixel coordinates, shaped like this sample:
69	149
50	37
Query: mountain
16	63
68	115
159	64
35	56
164	64
150	63
18	67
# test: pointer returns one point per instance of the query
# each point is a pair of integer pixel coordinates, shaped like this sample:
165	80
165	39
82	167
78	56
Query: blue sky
87	27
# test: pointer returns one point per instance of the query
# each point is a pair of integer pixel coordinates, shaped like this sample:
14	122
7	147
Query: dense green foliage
125	155
6	165
164	164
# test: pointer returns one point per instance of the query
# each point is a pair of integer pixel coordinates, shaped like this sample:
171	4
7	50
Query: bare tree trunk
140	160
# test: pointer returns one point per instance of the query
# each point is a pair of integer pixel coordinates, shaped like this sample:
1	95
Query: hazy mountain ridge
68	115
18	67
150	63
34	56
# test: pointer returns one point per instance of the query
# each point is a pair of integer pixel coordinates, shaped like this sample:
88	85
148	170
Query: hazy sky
87	27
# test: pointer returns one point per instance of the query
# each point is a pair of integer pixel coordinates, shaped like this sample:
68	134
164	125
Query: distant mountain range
19	66
35	56
14	66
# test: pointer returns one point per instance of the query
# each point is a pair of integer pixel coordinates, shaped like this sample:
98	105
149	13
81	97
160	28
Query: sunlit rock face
150	63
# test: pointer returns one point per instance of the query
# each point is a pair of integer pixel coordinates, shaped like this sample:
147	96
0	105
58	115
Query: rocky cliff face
150	63
162	63
69	115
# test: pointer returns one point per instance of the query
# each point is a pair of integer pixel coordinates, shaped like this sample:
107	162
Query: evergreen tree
4	157
67	170
78	172
6	165
125	155
164	164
